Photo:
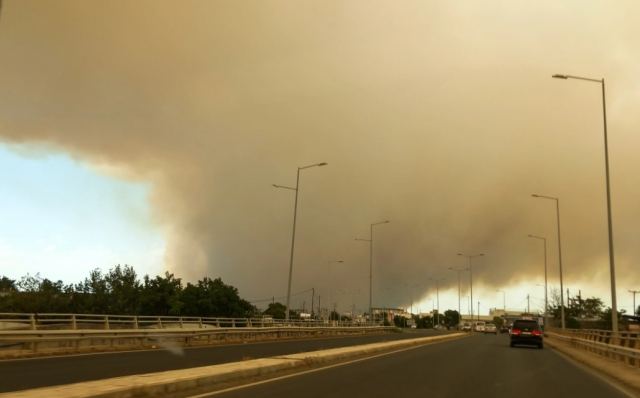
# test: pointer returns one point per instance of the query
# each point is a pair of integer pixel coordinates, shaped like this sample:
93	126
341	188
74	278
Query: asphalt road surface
478	366
41	372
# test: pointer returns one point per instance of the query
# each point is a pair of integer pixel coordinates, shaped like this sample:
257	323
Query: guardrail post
135	322
32	320
233	322
106	322
74	325
249	322
181	325
160	323
200	322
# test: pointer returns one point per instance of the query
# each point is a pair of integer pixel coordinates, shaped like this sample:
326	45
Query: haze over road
478	366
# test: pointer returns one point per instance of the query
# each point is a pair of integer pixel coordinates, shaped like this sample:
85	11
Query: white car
490	328
479	326
466	327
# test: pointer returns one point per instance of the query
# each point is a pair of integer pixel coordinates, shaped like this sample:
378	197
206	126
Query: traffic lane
50	371
478	366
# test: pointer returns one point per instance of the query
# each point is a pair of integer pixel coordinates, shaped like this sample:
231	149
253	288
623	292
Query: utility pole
437	296
546	302
612	267
469	257
313	298
557	200
528	305
458	270
433	313
370	240
634	292
478	310
293	233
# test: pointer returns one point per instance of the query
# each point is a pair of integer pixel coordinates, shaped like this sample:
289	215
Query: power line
272	298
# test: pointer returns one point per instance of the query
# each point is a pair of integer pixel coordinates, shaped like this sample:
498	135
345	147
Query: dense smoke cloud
439	116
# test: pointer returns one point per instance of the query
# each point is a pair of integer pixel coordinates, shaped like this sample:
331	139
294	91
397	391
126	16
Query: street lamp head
558	76
322	164
535	195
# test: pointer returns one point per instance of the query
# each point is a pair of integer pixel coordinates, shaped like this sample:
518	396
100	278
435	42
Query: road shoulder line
619	375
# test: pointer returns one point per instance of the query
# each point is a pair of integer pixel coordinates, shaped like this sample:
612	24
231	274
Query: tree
119	291
161	295
425	322
499	321
400	321
124	289
592	307
93	295
606	318
7	285
212	297
451	318
276	310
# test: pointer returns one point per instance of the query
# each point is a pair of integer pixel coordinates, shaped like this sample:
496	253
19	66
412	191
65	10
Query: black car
526	332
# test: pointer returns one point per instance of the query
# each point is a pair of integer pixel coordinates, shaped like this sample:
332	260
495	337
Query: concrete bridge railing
50	321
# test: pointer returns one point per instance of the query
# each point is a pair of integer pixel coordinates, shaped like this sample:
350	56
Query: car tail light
537	333
516	332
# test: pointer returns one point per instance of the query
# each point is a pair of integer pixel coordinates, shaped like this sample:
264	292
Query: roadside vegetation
120	291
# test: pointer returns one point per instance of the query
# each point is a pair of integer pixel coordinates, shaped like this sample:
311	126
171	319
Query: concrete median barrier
180	382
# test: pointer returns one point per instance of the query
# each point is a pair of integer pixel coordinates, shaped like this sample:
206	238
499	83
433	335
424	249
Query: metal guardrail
50	321
623	346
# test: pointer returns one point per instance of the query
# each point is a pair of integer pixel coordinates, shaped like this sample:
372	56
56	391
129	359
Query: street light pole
437	297
612	266
546	303
559	254
469	257
370	240
293	233
458	270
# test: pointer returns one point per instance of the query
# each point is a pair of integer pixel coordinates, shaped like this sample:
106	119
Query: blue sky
62	218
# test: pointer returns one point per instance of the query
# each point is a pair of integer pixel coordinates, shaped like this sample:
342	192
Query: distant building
390	313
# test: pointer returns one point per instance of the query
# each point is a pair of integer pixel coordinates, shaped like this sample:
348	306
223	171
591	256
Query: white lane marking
257	383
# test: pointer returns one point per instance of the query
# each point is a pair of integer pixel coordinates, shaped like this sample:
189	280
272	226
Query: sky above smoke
439	116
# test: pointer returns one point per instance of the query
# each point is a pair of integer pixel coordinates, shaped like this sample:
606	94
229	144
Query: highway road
41	372
478	366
